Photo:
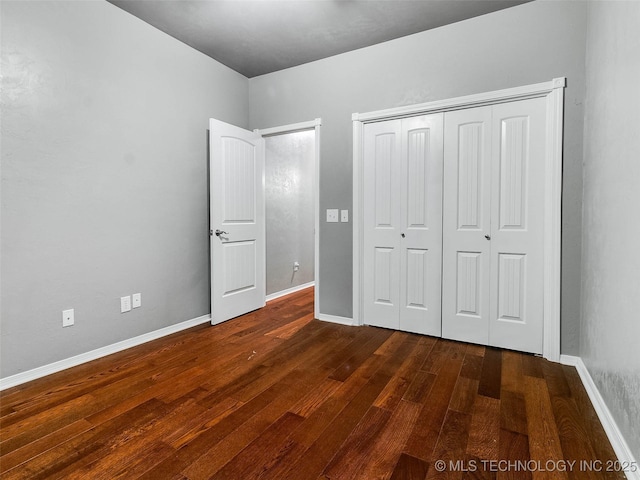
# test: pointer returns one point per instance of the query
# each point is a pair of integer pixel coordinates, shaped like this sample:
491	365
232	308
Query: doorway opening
291	208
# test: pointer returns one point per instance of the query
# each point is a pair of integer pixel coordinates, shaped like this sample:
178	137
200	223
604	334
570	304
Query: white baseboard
288	291
336	319
620	446
20	378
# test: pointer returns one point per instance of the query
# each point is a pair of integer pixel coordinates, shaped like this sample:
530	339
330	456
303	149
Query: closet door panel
420	195
466	225
517	233
382	224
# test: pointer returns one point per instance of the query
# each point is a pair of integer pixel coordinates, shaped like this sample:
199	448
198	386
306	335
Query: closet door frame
553	92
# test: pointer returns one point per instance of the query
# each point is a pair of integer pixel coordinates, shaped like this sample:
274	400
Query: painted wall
531	43
104	177
611	260
289	209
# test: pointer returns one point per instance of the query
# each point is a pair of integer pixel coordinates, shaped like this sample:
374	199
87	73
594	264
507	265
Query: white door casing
236	168
402	220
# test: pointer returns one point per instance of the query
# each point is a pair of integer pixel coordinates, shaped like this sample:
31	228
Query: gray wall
104	176
289	209
611	259
531	43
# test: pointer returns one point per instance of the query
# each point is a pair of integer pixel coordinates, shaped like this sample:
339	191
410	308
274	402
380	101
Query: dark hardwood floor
276	394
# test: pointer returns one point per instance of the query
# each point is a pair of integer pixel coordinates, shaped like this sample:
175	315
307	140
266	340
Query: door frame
300	127
553	91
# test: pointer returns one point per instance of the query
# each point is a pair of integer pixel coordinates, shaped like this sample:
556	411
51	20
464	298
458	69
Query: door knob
220	232
488	237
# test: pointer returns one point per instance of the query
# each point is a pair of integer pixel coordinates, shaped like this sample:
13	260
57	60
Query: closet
453	222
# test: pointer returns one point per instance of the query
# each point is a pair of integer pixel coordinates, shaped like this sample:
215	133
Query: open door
236	166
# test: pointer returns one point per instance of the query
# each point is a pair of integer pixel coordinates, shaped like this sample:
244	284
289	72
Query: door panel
420	193
237	210
467	207
381	224
403	224
492	259
517	235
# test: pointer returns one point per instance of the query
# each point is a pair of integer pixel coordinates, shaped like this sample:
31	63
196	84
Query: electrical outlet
296	266
137	300
125	304
68	318
344	215
332	215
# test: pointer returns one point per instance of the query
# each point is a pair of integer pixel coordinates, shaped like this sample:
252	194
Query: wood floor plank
514	447
365	351
544	441
472	366
416	354
513	414
386	449
325	447
484	431
451	445
263	453
275	394
512	372
491	375
410	468
225	450
316	424
464	395
347	463
430	421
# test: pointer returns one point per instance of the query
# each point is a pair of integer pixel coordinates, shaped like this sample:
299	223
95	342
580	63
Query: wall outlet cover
344	215
137	300
68	317
332	215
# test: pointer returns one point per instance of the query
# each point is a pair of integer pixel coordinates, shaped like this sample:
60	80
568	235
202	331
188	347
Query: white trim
39	372
316	229
467	101
336	319
553	225
282	293
358	159
554	92
293	127
569	360
619	444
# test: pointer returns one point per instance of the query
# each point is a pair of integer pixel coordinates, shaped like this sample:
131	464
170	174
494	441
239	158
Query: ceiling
254	37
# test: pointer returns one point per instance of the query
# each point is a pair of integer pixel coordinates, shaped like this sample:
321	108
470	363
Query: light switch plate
344	215
332	215
125	304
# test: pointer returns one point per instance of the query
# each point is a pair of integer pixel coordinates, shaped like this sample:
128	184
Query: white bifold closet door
402	216
493	225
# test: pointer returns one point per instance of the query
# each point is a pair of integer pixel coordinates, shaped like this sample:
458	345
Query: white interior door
517	226
403	224
466	225
382	233
237	221
494	225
